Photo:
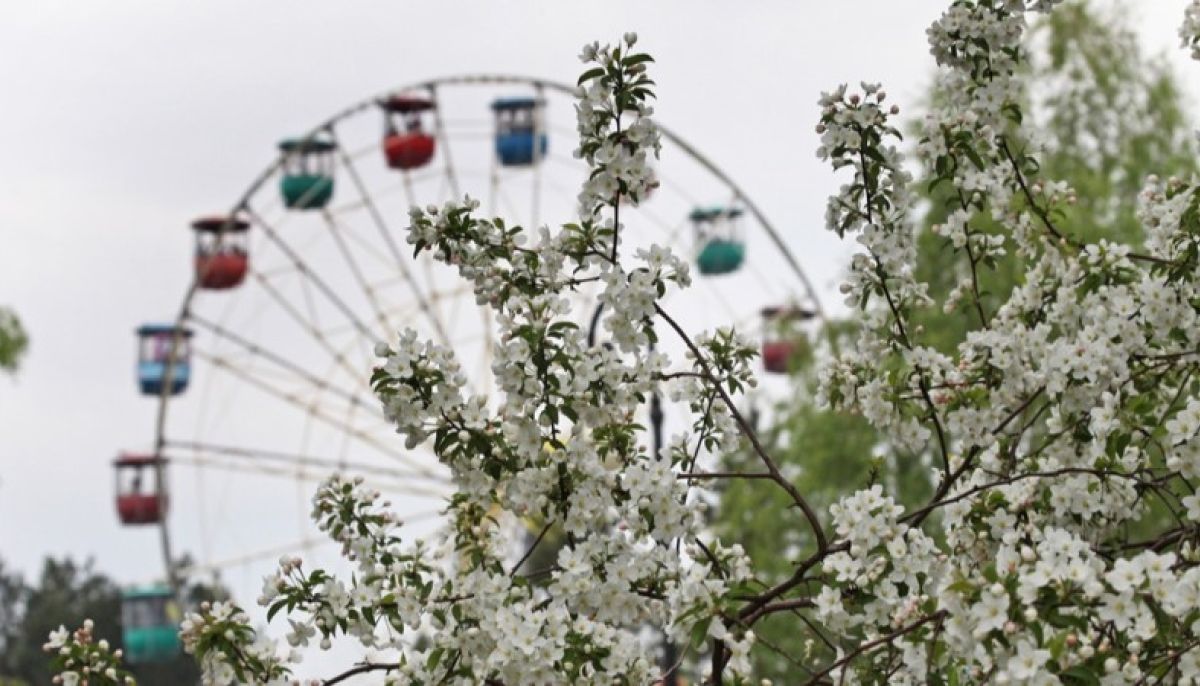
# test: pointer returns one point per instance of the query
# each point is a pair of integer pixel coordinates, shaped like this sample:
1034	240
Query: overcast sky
121	121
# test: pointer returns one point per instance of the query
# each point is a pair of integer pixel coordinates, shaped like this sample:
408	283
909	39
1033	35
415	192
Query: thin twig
748	432
533	547
362	669
870	645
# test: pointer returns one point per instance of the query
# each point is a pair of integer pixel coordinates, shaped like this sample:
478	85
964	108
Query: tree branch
362	669
748	432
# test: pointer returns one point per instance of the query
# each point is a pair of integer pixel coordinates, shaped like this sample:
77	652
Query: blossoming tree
1107	115
1069	408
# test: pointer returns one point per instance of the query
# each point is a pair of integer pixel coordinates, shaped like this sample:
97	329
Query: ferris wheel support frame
430	85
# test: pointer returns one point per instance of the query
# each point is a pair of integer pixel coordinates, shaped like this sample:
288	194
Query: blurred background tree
66	593
1105	116
13	340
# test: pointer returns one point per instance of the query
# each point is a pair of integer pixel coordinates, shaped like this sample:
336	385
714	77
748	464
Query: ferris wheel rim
562	88
243	205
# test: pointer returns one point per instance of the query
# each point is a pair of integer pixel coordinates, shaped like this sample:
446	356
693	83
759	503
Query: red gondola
781	345
412	147
136	503
221	257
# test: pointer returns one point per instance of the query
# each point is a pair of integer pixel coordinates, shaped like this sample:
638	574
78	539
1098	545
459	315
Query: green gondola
720	256
150	620
307	182
722	249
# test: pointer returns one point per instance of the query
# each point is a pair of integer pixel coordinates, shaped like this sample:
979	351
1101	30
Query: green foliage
65	594
1107	117
13	340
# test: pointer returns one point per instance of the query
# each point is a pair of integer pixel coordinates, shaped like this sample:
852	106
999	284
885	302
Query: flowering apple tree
1059	545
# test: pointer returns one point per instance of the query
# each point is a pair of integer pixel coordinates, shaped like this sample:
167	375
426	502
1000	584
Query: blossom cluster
616	132
229	650
1189	31
80	660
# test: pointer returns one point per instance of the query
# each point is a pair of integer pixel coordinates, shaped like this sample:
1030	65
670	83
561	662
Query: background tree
13	340
65	594
12	596
1107	115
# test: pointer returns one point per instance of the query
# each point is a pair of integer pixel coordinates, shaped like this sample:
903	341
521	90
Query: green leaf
1080	674
275	608
636	59
434	658
700	632
973	156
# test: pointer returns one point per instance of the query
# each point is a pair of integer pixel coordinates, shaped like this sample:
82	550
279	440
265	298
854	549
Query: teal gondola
150	620
722	249
307	182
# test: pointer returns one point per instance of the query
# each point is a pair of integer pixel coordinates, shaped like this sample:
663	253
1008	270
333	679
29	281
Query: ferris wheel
261	381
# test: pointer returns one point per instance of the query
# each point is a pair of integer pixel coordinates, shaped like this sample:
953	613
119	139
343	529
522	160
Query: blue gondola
520	135
156	342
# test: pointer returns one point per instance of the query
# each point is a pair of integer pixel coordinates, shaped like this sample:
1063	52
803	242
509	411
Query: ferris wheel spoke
369	250
307	397
426	264
314	409
336	231
309	275
681	191
390	241
300	474
308	326
539	129
509	206
305	544
443	141
352	206
255	350
438	294
310	303
345	449
257	556
363	151
493	185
